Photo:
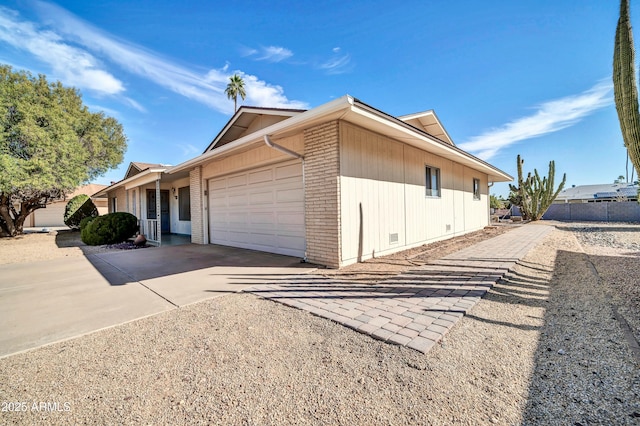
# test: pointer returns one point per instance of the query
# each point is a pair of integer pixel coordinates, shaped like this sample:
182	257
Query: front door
164	208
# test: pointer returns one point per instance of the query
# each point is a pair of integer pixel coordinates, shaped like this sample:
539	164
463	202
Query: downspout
271	144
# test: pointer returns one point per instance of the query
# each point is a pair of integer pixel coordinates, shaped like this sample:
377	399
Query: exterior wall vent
448	228
393	238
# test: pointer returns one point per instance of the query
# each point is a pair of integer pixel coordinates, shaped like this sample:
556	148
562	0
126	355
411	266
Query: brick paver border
418	307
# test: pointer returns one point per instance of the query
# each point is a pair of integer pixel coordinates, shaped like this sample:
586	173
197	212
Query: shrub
78	208
85	221
109	229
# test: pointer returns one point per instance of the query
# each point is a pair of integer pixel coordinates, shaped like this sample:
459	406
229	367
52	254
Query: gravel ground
34	247
542	348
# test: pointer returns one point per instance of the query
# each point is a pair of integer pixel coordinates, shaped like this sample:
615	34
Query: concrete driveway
49	301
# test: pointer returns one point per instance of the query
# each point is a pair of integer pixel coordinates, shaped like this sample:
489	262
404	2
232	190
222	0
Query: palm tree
235	88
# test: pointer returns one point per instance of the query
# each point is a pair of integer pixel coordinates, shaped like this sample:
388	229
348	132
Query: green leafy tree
624	86
50	143
234	89
495	202
535	194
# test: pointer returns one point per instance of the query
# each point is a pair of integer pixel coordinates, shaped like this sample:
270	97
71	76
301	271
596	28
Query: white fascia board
151	176
129	183
334	106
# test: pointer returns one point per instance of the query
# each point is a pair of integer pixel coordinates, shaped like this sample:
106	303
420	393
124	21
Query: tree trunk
12	222
7	226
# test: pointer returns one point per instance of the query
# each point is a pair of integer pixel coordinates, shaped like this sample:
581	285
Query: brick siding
322	194
196	193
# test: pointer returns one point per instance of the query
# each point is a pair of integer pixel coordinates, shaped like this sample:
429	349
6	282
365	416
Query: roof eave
103	192
333	107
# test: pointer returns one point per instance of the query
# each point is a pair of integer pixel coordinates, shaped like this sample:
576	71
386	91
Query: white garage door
52	215
262	209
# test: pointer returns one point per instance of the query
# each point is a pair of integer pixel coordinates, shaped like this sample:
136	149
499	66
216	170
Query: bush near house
78	208
85	221
109	229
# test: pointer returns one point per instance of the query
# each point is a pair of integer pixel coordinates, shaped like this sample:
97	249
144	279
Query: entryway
164	208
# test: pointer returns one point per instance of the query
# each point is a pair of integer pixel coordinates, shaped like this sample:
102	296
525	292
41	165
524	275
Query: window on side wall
184	200
476	189
114	205
432	181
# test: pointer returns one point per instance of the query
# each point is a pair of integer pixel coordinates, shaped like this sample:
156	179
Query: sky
528	77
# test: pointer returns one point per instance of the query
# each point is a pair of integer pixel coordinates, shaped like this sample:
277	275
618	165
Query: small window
114	205
476	189
432	184
184	199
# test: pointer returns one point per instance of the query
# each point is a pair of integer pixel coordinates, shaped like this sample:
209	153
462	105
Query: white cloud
132	103
189	151
73	46
70	64
268	53
260	93
275	54
549	117
338	64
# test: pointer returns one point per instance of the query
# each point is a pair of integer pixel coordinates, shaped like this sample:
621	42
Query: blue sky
529	77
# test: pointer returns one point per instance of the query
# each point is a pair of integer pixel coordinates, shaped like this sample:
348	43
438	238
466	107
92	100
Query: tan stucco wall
121	200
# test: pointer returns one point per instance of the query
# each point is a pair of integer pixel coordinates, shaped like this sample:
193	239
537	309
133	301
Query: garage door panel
289	195
288	171
266	220
236	181
261	197
215	184
237	200
262	209
261	176
293	220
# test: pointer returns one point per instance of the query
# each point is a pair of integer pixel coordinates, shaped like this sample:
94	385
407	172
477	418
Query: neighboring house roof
601	191
408	129
88	189
248	119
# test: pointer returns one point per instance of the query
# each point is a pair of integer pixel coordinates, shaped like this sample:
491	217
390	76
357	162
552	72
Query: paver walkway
418	307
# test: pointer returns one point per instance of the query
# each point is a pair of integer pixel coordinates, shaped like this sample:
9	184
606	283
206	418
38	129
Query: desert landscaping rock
542	348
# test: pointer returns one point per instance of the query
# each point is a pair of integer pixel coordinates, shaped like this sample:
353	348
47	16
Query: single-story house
334	185
598	193
160	201
53	213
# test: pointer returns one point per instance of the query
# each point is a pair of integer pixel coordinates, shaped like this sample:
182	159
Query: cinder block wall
322	194
196	194
627	211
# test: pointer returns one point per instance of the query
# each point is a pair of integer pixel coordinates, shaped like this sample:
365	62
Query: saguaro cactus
624	86
535	194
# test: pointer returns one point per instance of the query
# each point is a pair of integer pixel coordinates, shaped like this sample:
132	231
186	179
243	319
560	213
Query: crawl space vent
393	238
